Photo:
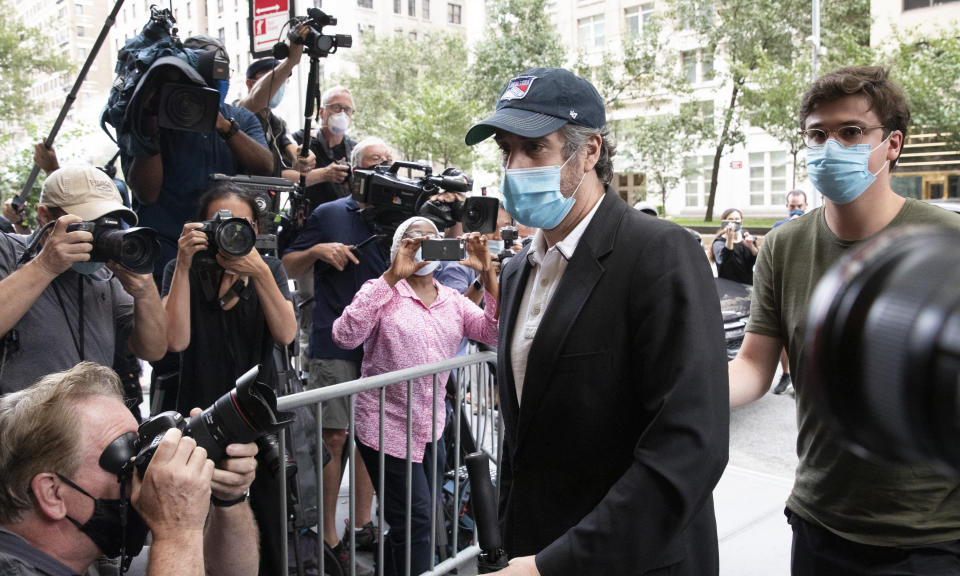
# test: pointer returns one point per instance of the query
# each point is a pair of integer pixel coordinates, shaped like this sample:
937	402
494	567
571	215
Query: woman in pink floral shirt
406	318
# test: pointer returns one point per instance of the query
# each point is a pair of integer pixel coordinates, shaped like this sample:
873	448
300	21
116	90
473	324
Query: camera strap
77	341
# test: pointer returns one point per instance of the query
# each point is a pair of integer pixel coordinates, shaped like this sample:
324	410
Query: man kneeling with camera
68	483
79	288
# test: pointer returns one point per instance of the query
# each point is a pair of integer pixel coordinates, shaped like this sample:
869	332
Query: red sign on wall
736	164
267	18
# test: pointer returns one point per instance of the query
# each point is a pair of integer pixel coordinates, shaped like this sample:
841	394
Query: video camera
243	414
883	346
316	44
134	248
391	198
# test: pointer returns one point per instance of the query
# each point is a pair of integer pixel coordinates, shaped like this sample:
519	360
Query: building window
396	6
590	32
236	27
426	9
189	11
453	13
78	8
220	6
635	17
365	4
696	187
80	31
81	53
768	178
413	36
706	66
411	7
222	35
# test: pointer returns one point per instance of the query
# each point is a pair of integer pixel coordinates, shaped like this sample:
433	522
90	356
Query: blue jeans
394	506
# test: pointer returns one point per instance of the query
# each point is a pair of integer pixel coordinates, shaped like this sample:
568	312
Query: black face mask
115	527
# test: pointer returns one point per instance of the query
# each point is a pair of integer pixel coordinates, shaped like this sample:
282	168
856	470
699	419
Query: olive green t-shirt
865	501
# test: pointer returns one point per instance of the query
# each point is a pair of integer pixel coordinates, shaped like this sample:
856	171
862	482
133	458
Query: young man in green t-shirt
849	515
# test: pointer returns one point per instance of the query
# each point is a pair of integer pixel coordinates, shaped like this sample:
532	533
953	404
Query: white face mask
338	123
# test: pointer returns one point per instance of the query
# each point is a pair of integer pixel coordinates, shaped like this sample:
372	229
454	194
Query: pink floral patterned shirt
398	331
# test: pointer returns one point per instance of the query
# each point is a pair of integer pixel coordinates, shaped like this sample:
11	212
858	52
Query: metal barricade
474	375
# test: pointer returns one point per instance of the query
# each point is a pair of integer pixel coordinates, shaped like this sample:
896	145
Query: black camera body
391	198
227	234
242	415
135	249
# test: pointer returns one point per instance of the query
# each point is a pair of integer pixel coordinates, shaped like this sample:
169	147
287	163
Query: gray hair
575	138
329	93
362	145
40	428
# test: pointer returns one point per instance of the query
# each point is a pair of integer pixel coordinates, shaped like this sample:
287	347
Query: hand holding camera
233	475
334	172
174	494
191	241
405	264
63	247
478	253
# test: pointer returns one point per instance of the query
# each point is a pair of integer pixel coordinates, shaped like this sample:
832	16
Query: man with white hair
328	236
59	307
332	147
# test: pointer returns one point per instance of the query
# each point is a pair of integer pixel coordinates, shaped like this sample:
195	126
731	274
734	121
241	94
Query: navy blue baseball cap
539	102
259	66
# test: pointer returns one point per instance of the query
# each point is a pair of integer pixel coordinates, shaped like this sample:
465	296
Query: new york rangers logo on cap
518	88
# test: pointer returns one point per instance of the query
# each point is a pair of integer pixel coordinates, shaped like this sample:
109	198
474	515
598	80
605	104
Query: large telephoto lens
883	346
241	415
235	237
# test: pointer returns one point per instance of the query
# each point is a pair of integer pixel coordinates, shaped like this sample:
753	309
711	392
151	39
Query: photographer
224	316
167	184
59	308
60	509
734	250
403	319
324	248
332	147
266	82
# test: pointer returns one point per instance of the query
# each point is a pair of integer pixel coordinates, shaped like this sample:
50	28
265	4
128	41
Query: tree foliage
519	36
24	52
928	70
415	95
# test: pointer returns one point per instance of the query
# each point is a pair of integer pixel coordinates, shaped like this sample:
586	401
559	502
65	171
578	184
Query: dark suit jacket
610	462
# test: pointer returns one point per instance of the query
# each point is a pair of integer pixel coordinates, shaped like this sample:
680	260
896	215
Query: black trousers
819	552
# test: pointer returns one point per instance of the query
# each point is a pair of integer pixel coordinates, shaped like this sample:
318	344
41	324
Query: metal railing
474	376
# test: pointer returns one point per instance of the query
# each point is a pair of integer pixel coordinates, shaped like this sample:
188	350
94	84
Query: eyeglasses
847	135
426	235
338	108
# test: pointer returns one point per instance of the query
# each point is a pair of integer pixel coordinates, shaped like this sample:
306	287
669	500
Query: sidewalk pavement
755	538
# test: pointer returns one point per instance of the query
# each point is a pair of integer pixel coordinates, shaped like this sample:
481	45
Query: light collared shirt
547	267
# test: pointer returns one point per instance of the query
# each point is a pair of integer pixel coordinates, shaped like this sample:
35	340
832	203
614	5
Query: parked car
735	307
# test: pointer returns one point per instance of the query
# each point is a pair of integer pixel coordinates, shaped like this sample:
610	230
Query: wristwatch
477	284
234	128
228	503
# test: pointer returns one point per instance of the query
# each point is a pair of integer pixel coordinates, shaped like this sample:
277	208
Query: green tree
742	32
519	36
928	70
415	95
24	52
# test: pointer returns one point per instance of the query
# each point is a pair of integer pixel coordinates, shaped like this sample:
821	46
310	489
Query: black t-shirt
224	344
323	192
736	264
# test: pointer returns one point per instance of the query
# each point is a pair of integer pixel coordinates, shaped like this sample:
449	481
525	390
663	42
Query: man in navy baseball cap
539	102
611	464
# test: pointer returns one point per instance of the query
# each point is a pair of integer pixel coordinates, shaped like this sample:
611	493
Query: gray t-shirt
46	339
866	501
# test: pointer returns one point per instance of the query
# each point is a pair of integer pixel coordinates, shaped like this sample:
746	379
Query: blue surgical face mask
91	269
532	195
278	97
429	268
842	173
495	246
223	86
